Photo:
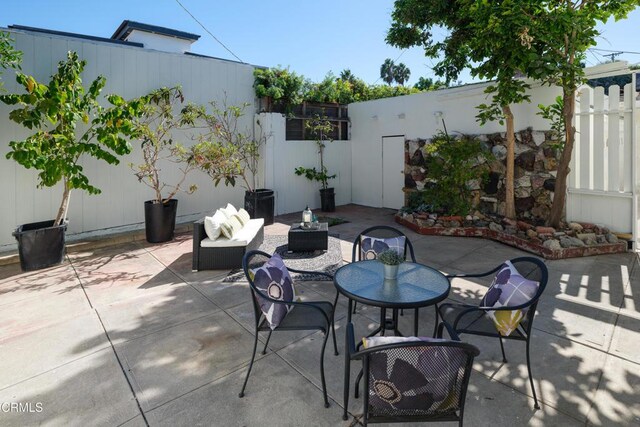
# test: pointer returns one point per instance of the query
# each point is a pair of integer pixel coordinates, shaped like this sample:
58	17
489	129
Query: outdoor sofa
223	253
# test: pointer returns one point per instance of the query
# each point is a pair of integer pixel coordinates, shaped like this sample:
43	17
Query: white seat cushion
242	238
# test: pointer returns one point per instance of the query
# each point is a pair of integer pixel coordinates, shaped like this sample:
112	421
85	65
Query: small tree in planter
154	129
230	154
57	111
321	128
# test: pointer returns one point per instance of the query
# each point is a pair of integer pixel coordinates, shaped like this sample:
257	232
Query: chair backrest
251	261
417	381
382	232
532	269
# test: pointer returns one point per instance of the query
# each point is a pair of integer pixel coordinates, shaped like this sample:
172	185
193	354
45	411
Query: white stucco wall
130	72
419	116
159	42
293	193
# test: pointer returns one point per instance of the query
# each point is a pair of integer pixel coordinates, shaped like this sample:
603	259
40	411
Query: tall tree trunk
560	194
64	206
510	208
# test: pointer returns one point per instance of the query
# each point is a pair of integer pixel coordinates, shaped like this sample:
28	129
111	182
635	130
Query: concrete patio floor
128	335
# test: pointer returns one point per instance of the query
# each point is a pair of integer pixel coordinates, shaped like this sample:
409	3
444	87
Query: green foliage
344	89
155	131
488	37
226	152
390	257
284	87
427	84
562	32
312	174
70	124
553	113
450	164
9	56
320	128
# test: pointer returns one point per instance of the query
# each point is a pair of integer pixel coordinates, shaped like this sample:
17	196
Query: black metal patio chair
305	316
384	232
415	381
477	320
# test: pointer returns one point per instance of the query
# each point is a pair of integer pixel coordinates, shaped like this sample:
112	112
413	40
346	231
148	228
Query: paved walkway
130	336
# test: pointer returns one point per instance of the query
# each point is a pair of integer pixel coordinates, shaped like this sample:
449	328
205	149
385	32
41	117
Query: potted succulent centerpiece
69	124
320	127
156	129
391	261
229	153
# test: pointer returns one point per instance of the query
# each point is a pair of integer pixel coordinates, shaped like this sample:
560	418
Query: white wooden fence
603	180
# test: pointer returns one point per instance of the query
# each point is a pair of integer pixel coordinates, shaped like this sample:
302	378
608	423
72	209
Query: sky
311	37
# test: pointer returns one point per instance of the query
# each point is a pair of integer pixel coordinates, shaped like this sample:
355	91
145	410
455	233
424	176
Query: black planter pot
40	244
260	204
327	200
160	220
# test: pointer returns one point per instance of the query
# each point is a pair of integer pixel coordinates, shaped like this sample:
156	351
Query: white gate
603	183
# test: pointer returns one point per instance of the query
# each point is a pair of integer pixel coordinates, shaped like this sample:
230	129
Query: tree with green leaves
226	151
9	56
489	38
545	40
321	128
155	129
563	31
70	124
427	84
347	76
401	73
386	71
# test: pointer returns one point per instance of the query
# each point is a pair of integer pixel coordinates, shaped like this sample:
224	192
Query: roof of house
75	35
127	26
130	25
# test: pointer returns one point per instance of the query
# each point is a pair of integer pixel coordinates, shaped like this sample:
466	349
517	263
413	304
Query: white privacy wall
419	116
293	193
130	72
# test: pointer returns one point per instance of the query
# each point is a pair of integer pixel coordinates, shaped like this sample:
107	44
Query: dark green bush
450	164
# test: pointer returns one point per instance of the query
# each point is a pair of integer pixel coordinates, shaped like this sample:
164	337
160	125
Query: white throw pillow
229	210
212	224
243	216
230	227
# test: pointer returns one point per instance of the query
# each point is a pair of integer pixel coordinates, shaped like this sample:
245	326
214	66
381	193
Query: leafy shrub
284	87
450	164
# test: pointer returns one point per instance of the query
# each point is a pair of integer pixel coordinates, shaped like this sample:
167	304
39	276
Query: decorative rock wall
536	163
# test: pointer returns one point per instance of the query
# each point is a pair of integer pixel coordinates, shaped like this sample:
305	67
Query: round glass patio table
416	286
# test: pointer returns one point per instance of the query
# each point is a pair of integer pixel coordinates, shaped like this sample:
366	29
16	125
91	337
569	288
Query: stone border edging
517	242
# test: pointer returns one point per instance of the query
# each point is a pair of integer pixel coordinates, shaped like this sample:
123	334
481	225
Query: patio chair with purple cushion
507	309
276	309
416	380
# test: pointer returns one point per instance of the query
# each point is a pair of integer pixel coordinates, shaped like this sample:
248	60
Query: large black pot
260	204
160	220
327	200
40	244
